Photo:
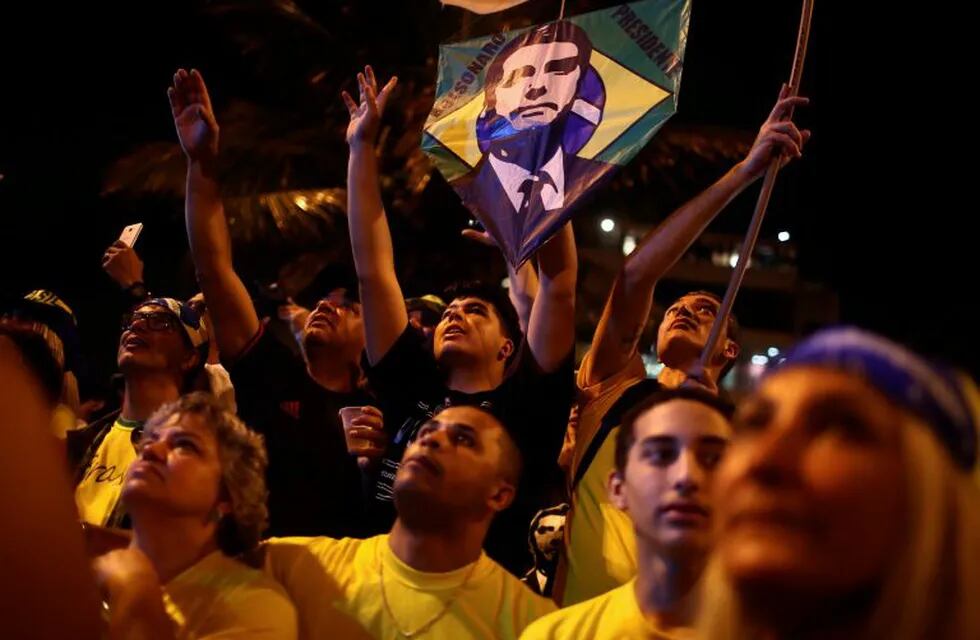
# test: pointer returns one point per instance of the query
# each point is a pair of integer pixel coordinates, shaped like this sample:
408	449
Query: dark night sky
874	208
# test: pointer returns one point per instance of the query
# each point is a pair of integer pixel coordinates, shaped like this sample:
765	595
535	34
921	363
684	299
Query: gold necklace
433	620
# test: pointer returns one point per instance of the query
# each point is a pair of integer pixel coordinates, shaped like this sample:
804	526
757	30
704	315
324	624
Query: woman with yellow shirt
197	498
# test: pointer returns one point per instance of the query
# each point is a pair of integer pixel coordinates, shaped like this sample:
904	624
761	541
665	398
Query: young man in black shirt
478	354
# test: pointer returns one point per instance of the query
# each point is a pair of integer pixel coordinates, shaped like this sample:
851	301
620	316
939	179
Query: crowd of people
442	467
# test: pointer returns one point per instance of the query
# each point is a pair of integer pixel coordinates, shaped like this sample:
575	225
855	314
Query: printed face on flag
539	82
526	124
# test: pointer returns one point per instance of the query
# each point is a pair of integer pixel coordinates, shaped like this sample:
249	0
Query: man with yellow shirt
429	576
599	553
665	456
162	350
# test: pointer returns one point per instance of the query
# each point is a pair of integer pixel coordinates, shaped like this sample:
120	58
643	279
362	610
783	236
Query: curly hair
243	459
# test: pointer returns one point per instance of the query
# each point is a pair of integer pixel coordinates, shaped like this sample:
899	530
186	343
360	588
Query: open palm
365	115
193	115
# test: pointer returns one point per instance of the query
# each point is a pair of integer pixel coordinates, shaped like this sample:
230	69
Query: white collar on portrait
511	176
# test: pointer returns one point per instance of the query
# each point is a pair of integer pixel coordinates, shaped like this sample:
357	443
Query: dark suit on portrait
483	192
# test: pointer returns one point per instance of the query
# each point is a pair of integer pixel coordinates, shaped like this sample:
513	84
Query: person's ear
616	489
501	496
506	349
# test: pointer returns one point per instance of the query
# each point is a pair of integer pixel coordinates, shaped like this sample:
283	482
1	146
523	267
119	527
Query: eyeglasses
154	321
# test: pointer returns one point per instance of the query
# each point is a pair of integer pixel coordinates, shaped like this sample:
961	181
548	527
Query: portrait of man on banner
527	125
542	102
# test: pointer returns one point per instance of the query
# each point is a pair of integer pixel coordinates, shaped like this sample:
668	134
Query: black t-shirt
532	404
314	485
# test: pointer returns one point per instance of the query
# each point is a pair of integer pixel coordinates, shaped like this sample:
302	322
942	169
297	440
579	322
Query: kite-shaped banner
527	124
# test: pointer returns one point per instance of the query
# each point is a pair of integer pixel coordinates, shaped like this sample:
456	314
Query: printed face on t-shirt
548	533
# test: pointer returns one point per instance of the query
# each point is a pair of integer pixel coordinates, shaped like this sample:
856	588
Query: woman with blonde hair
196	495
845	503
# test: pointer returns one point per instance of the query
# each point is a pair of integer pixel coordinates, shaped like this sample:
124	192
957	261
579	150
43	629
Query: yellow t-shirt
615	615
98	492
336	586
222	598
600	545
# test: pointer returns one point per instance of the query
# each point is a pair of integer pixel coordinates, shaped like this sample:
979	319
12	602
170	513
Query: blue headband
907	379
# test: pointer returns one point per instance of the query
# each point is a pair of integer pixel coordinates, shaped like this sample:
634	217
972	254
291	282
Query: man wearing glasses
162	351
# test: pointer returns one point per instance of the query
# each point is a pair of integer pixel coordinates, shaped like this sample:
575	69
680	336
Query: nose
773	457
329	307
535	92
689	474
152	450
136	328
684	310
452	315
137	322
432	439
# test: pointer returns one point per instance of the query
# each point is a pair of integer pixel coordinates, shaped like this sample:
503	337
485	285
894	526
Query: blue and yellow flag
527	124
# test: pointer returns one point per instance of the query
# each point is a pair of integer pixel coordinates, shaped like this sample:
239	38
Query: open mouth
454	330
323	320
684	325
133	341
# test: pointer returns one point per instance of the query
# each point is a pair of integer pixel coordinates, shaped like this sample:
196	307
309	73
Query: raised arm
383	304
523	282
232	311
629	303
551	326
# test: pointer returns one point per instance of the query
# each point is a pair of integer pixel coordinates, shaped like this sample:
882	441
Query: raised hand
123	264
365	115
777	135
190	104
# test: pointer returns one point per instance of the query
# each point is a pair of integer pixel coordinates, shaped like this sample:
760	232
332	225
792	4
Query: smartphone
130	234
